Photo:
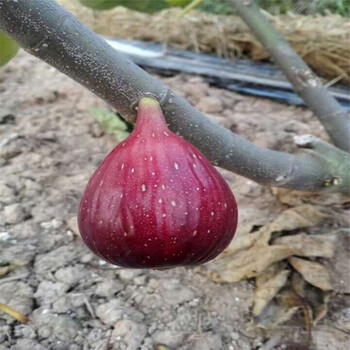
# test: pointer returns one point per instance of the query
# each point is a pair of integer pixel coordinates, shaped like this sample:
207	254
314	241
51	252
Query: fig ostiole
156	201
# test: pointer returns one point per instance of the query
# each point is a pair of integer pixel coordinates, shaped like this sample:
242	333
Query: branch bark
306	84
47	31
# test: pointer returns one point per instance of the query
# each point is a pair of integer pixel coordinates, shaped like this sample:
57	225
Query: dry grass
323	42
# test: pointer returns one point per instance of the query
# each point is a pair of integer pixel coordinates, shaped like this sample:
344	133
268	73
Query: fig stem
148	102
44	29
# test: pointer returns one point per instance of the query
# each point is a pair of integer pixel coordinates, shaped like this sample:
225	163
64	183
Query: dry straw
323	41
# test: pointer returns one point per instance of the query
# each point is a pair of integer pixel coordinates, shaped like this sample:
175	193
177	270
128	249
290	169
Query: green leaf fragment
8	49
110	123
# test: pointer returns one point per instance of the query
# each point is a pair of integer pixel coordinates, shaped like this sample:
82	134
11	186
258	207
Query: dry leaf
320	311
340	265
249	254
296	198
298	217
290	219
12	312
250	263
311	297
267	286
243	239
274	315
312	272
309	245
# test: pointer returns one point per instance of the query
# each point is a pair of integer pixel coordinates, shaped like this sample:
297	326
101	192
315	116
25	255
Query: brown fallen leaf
267	285
12	312
312	272
296	198
311	297
291	219
320	311
250	263
243	239
249	254
274	315
309	245
339	264
298	217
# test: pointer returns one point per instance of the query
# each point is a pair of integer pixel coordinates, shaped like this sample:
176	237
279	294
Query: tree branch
47	31
306	84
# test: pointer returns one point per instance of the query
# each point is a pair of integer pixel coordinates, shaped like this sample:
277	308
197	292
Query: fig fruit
156	201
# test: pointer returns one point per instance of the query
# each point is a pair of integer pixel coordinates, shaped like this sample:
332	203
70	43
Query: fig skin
156	201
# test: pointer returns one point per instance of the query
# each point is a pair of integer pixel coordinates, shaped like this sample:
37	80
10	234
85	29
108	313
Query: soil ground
75	301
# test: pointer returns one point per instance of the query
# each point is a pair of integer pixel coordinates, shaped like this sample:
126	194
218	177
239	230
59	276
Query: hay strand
322	41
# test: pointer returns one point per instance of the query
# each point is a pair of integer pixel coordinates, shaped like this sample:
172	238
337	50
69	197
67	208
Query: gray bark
47	31
306	84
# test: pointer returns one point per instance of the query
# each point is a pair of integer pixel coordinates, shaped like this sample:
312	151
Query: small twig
306	84
334	80
13	313
306	312
89	306
192	5
13	278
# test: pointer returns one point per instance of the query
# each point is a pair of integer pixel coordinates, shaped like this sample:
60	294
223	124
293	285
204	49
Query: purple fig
156	201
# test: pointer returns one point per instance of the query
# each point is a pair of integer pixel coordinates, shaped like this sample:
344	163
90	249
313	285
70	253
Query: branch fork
47	31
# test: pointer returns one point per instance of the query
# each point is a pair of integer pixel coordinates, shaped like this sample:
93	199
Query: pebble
12	146
55	259
208	341
49	324
14	213
48	292
195	90
25	331
174	293
108	288
63	304
72	275
129	332
4	331
209	104
111	312
87	258
168	338
7	194
52	224
128	274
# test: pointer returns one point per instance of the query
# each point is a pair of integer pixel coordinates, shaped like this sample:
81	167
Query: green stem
306	84
192	5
